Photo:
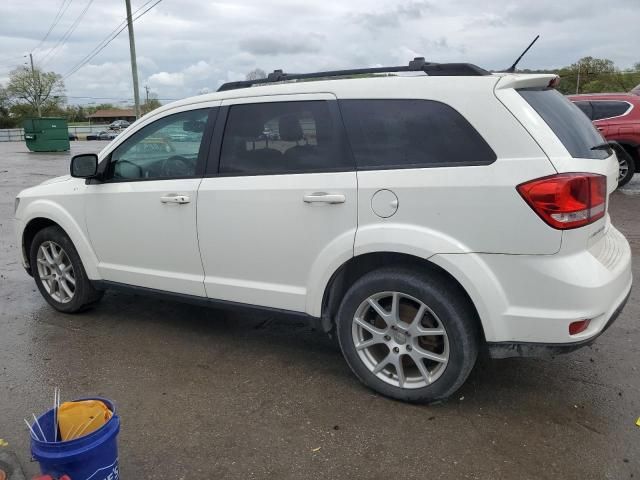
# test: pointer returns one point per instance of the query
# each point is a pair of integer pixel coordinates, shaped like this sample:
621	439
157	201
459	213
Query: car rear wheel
408	335
626	166
58	272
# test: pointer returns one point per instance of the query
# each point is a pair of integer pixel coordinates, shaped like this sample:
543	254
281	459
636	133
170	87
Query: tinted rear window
411	134
607	109
571	126
283	137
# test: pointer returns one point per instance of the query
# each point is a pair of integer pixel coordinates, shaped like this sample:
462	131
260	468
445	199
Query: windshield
568	122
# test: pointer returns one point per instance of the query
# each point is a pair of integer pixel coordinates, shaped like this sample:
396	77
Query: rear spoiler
527	80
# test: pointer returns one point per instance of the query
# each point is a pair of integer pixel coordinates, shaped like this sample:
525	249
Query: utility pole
134	65
146	101
578	80
36	86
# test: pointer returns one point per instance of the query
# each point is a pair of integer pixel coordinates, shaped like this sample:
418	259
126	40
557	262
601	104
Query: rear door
279	198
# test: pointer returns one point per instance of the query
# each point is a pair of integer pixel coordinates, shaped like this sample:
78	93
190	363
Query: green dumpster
46	134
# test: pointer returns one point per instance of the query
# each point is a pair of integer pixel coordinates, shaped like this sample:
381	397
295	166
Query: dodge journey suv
419	217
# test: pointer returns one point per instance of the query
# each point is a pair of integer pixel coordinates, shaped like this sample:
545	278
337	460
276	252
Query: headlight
15	205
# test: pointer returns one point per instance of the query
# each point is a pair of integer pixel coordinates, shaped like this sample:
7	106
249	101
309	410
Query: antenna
512	68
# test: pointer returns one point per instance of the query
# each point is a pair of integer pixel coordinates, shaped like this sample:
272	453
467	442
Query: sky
188	47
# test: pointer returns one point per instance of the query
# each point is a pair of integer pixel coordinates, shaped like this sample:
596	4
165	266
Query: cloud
393	17
166	79
189	46
276	45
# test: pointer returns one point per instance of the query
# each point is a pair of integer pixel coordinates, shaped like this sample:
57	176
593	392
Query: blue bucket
92	457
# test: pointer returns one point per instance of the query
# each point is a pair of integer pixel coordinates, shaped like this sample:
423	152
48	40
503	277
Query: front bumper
18	230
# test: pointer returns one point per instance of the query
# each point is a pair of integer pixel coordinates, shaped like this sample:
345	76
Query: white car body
253	240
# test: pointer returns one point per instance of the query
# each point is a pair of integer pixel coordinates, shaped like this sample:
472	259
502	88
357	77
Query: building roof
113	113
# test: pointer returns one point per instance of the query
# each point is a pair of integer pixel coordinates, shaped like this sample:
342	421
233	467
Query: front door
142	217
281	204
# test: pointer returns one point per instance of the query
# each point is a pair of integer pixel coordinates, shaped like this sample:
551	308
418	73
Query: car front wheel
58	272
408	335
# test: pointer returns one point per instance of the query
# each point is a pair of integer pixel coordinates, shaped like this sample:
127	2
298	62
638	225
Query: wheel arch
43	216
633	149
359	265
29	233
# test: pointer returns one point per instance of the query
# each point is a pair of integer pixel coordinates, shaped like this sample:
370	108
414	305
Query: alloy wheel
400	340
623	168
56	272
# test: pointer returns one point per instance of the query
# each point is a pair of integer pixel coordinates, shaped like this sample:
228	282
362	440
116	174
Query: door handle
323	197
175	198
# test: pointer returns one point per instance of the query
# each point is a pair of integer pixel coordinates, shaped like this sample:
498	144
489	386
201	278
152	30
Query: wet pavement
211	394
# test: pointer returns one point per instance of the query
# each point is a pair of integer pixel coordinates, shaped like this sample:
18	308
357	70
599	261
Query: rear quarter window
570	125
607	109
386	134
586	108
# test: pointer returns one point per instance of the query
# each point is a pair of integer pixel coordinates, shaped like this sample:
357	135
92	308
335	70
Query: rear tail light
567	200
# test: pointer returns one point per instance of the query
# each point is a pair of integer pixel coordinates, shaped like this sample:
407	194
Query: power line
8	58
50	55
56	19
108	39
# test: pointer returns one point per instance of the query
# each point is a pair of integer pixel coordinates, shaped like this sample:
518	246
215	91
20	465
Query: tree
75	113
38	89
151	103
594	75
256	74
101	106
5	119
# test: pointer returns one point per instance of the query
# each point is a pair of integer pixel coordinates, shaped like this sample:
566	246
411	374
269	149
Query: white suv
418	217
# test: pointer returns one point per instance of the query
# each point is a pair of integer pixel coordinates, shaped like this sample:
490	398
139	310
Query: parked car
426	218
118	125
72	136
102	135
617	117
108	135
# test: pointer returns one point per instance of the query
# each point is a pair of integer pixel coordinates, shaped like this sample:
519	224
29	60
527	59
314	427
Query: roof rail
418	64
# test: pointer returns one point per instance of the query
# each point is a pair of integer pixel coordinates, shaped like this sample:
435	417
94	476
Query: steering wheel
176	166
117	172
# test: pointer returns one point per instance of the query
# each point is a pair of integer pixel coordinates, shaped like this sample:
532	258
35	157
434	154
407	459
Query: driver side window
166	148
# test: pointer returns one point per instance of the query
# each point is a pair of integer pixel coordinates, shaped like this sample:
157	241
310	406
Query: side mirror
84	165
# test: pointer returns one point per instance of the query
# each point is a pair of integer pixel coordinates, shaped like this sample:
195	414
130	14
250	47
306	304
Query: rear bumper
530	349
532	299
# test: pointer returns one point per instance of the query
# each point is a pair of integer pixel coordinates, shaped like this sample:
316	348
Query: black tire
84	294
446	301
627	162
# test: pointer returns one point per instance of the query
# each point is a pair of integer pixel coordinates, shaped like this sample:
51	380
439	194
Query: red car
617	116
